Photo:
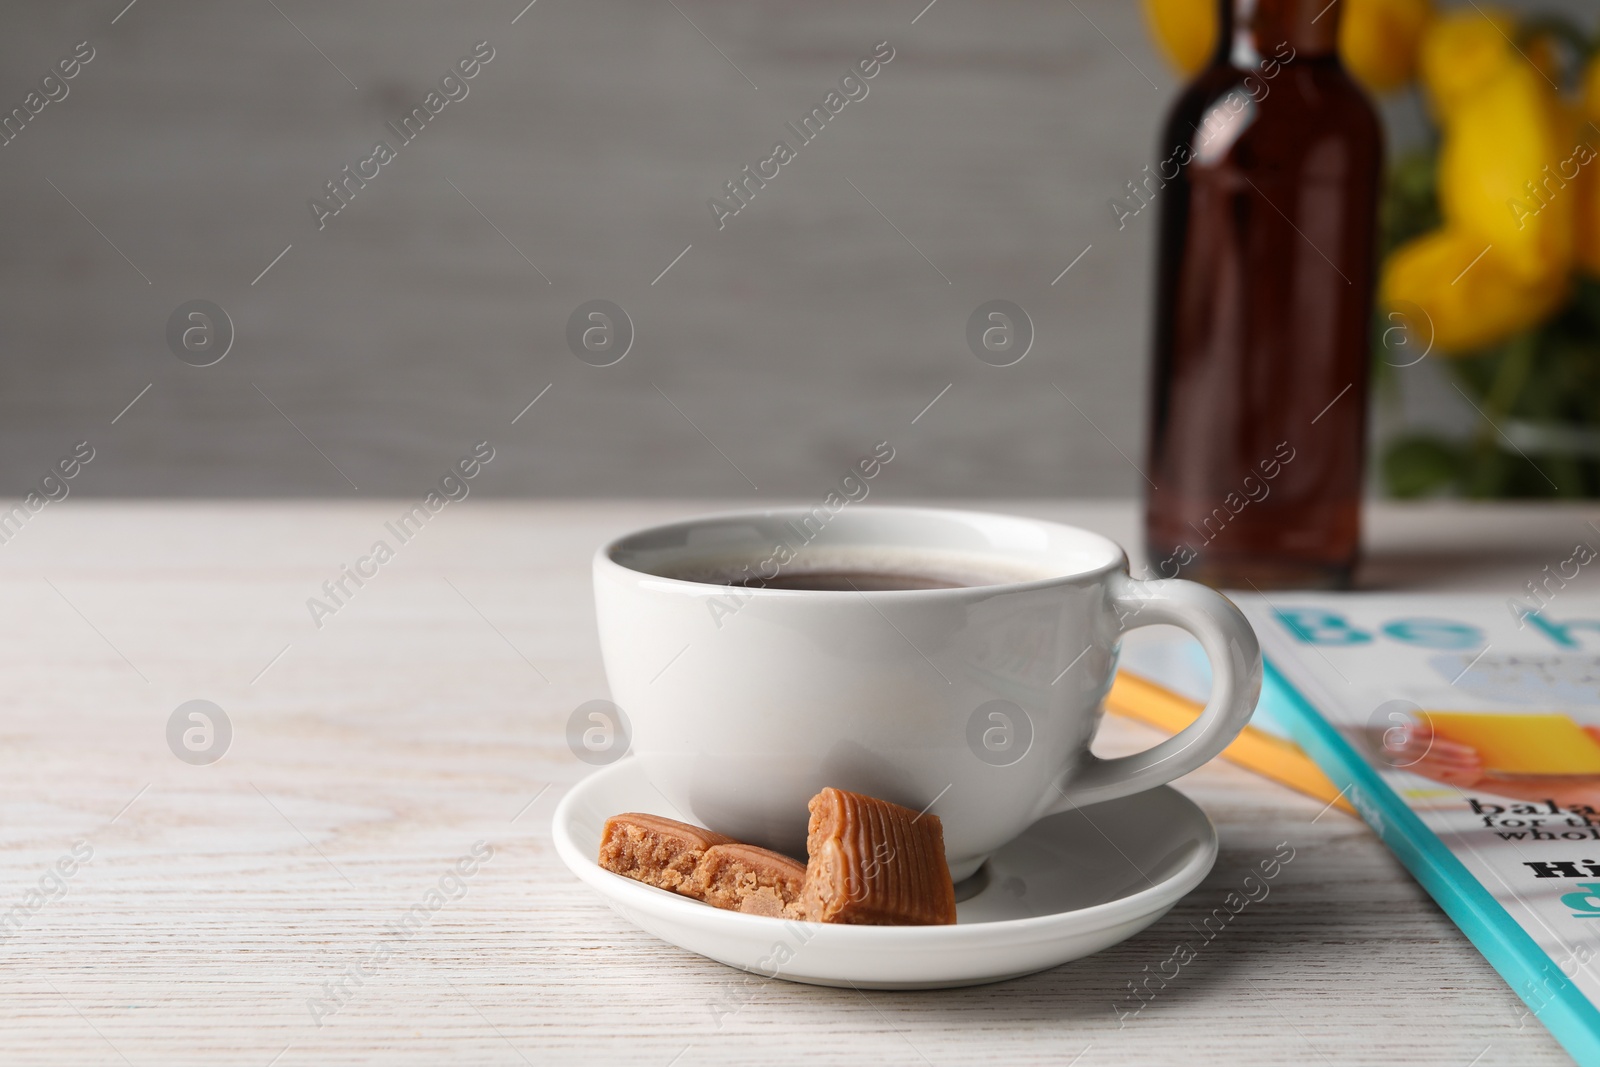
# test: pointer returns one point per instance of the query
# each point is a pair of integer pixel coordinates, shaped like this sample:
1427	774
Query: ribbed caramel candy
656	851
874	863
745	878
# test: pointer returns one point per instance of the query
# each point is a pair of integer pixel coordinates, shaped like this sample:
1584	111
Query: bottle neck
1253	30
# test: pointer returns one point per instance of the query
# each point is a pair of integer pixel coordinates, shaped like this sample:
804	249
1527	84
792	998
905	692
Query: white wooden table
428	714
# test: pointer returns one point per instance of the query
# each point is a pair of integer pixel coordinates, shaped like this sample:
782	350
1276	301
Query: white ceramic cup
978	703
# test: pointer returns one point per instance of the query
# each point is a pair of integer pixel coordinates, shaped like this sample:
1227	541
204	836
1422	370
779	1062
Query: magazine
1465	730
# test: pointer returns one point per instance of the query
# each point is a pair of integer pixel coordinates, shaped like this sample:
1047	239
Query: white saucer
1071	885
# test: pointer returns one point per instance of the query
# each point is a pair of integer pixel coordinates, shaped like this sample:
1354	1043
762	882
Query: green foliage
1411	199
1419	465
1548	377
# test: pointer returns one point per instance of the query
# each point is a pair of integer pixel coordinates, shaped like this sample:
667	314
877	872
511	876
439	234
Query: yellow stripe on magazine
1256	750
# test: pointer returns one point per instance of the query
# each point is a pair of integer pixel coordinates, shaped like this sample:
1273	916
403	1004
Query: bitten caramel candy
874	863
656	851
745	878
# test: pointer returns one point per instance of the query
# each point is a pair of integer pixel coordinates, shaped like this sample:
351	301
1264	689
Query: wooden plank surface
427	715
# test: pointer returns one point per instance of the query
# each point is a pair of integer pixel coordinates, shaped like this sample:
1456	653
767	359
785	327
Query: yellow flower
1461	50
1468	296
1511	186
1378	40
1506	168
1186	30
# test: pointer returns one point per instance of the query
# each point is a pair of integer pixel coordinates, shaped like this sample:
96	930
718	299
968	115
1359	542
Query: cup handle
1230	644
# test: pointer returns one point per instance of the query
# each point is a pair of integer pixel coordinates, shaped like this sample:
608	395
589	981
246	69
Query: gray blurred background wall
769	354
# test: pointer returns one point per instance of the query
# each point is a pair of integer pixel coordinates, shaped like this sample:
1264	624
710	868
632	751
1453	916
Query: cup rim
604	559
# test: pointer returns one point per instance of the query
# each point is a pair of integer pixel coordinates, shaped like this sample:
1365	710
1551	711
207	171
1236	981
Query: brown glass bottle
1270	162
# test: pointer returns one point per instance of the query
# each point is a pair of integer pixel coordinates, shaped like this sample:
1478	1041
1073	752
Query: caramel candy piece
656	851
874	863
745	878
